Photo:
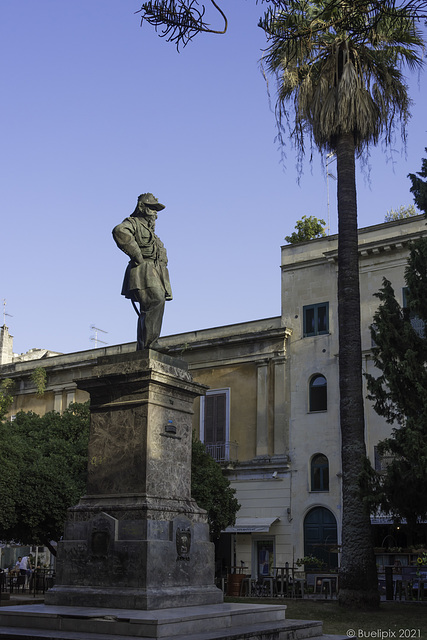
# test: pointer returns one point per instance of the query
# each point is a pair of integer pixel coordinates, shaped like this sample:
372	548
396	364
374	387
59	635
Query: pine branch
179	20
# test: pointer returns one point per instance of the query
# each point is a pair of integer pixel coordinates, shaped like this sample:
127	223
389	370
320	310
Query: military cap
150	201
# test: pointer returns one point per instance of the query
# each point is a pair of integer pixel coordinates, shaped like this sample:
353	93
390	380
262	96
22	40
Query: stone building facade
271	413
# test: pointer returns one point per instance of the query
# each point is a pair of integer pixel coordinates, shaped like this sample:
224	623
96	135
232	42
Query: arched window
318	393
319	473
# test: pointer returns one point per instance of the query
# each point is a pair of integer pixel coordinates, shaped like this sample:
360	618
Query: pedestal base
215	622
135	557
136	599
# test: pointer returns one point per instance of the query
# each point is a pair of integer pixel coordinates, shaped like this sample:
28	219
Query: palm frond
334	81
179	20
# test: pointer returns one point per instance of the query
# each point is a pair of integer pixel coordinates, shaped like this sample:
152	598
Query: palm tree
344	89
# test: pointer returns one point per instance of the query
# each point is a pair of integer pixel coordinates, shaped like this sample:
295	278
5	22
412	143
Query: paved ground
21	598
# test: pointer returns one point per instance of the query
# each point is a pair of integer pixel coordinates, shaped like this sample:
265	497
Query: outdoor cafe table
284	575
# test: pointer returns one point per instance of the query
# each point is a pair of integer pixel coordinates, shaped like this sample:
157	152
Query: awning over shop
251	525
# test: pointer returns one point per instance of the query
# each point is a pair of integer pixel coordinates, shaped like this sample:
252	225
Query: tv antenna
95	338
4	312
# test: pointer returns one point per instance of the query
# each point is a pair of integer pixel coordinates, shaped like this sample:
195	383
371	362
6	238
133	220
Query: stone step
289	630
228	621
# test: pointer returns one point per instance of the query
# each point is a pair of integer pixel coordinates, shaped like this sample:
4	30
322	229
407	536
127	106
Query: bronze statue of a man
146	279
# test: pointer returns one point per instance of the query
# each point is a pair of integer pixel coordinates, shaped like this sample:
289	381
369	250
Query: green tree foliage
6	396
399	393
44	467
211	490
307	228
401	213
339	82
43	462
419	186
39	378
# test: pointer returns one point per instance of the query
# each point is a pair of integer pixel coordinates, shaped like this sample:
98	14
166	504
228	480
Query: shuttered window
215	418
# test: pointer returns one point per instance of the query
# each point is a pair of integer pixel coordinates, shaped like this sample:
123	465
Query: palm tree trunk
358	575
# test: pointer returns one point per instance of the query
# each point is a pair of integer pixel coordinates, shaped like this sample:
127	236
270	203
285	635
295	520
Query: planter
234	582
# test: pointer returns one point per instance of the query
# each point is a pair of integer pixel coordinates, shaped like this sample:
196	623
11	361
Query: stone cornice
367	249
377	239
259	468
202	343
380	246
235	344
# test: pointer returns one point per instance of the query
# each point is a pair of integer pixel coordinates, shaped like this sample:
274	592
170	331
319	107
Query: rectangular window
215	409
405	297
316	319
381	462
417	324
215	424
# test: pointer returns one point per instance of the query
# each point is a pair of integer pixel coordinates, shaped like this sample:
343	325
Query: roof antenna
95	337
4	312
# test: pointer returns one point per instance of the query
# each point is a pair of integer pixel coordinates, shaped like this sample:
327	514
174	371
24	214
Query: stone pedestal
136	561
137	540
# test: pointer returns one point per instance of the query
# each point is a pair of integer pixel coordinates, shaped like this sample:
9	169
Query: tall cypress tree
399	393
419	186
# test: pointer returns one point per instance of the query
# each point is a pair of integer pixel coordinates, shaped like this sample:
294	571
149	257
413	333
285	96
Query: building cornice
259	468
235	340
378	246
233	344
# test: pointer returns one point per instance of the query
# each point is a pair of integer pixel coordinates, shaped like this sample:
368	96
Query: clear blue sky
96	110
